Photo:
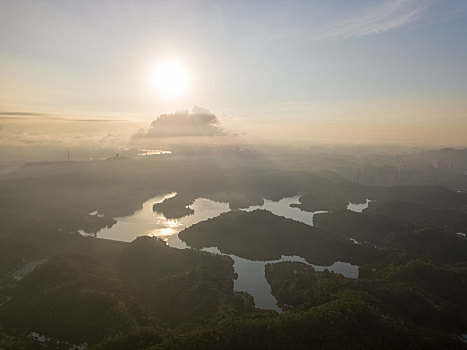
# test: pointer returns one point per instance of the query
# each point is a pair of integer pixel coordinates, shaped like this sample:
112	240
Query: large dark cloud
198	122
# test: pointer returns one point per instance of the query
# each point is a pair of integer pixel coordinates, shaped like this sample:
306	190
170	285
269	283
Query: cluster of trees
419	292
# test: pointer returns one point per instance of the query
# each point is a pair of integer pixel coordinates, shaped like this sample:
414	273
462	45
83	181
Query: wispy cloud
96	120
381	17
28	115
21	114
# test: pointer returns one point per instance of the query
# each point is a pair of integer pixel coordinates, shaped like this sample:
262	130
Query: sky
386	71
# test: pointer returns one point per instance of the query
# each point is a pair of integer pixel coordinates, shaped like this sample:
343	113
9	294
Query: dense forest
102	294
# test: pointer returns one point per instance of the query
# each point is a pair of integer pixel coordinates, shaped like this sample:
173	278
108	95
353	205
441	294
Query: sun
170	78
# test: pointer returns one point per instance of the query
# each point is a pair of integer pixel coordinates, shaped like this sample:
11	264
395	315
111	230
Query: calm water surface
283	208
358	207
252	278
251	274
146	222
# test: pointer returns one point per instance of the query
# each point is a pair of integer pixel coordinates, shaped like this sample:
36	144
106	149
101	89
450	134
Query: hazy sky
386	70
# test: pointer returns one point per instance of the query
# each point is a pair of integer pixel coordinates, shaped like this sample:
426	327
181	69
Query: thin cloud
96	120
379	18
27	115
21	114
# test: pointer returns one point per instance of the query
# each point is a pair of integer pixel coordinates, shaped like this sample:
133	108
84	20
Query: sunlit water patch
152	152
358	207
283	208
146	222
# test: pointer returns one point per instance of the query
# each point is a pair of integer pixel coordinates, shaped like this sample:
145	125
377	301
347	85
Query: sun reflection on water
172	223
166	231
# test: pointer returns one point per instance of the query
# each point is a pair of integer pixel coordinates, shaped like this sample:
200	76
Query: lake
252	279
251	274
358	207
146	222
283	208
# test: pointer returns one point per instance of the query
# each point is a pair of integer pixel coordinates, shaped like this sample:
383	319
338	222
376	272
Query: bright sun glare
170	78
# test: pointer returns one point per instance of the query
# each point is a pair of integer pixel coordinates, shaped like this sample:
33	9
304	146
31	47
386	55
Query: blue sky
281	61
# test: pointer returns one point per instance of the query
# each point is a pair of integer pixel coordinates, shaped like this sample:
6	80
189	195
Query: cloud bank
198	122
